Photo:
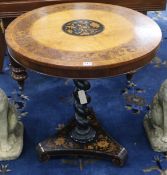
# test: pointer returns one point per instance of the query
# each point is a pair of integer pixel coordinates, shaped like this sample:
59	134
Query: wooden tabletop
83	40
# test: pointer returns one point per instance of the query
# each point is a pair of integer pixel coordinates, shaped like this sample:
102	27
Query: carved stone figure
11	130
155	122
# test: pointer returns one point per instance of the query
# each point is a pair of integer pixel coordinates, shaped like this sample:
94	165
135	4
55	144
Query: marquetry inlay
83	27
83	40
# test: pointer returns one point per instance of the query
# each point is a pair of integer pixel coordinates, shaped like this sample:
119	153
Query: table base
102	146
83	136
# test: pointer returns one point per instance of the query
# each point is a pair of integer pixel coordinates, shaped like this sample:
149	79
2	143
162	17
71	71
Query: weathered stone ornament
11	130
155	122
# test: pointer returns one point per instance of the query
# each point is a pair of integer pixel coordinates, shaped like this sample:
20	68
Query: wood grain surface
39	41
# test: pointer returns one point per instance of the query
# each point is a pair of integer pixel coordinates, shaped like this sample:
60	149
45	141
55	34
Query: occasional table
81	41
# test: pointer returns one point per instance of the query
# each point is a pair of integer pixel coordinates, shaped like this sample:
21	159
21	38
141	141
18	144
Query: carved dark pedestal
130	75
83	136
18	73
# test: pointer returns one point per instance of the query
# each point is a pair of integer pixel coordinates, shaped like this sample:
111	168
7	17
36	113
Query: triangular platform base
102	146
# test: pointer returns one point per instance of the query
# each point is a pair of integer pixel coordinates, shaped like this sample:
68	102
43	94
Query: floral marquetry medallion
83	27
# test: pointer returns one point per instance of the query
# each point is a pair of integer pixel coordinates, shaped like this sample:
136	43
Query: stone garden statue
155	122
11	130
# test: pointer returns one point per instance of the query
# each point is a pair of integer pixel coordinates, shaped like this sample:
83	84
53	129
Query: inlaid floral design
83	27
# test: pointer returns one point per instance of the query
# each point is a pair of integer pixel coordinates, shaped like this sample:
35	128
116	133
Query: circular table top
83	40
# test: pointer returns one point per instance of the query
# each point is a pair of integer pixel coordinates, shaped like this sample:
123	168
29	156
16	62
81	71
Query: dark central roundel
83	27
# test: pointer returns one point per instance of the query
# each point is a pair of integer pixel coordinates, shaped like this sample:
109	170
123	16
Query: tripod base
102	146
